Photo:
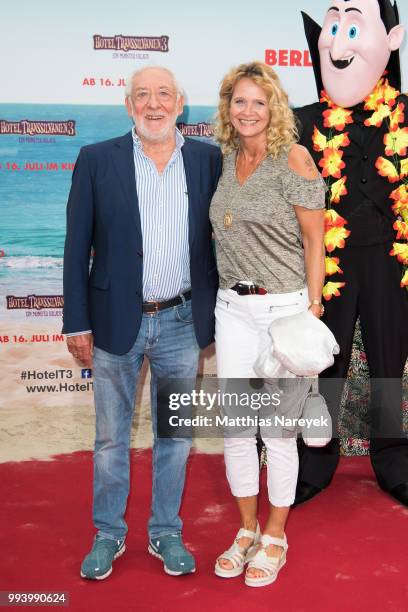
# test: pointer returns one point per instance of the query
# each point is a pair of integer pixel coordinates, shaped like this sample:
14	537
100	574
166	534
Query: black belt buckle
252	289
154	305
243	289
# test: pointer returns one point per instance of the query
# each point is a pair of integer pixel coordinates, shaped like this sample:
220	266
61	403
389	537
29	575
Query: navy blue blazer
103	213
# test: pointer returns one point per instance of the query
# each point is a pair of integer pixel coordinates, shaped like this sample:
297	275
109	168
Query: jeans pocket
283	307
184	313
222	301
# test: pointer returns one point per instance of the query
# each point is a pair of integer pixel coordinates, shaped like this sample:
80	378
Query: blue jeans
167	338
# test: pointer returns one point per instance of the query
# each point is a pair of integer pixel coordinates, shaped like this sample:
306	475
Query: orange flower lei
382	101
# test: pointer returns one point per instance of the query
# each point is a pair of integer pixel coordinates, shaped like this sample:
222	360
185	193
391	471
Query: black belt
152	307
243	289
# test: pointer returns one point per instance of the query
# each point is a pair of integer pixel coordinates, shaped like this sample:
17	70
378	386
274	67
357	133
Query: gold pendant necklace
228	217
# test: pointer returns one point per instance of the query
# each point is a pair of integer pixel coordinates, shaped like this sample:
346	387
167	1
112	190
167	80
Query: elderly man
141	202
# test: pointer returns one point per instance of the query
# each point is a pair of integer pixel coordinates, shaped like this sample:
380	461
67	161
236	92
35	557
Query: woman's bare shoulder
301	162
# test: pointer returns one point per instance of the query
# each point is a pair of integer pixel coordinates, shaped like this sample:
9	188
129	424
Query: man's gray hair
135	73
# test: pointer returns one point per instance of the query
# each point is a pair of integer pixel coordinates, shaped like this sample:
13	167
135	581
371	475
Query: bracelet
318	303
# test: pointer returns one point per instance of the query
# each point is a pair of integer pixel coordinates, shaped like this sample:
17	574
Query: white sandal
269	565
238	555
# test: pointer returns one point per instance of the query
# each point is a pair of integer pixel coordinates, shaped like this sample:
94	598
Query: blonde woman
268	220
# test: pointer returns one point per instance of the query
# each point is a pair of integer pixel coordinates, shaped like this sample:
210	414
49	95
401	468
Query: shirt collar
137	143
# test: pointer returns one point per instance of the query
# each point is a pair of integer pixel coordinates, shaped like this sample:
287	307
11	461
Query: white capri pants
240	330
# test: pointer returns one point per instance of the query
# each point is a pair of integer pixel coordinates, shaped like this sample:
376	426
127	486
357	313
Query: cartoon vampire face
358	41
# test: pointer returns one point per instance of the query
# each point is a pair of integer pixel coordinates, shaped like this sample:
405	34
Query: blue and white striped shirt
163	206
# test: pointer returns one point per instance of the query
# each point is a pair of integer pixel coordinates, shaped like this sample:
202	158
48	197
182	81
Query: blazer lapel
192	170
122	154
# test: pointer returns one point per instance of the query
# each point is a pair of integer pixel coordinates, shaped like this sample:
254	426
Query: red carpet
347	549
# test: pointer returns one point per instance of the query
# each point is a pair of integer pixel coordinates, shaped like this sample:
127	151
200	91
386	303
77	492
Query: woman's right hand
317	310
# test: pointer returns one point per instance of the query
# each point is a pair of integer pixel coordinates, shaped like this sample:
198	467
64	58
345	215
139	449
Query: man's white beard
161	136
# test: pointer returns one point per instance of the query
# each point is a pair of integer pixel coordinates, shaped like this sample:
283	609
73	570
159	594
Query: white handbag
317	430
300	344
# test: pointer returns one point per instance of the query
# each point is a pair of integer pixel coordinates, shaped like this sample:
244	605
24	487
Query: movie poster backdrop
64	72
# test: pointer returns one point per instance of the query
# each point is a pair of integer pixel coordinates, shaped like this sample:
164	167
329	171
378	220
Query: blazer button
365	157
364	180
140	253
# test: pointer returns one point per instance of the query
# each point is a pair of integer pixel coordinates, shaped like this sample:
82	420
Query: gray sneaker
176	558
97	565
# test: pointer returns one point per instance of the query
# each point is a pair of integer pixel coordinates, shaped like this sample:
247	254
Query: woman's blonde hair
281	131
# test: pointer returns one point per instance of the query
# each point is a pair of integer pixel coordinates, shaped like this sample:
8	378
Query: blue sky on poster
47	48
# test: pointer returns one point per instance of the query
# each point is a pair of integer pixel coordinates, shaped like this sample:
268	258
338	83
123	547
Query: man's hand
81	347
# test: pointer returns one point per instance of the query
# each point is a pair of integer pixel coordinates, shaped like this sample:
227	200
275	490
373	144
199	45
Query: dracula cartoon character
358	136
